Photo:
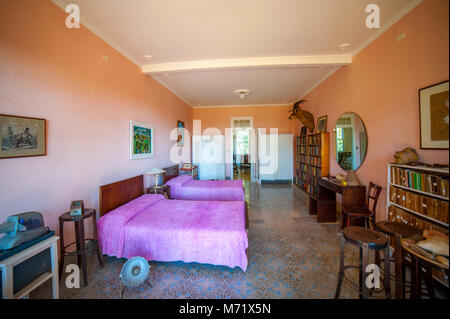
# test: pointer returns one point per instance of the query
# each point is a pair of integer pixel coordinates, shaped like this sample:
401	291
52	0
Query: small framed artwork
180	134
141	140
22	136
434	126
187	166
321	124
303	131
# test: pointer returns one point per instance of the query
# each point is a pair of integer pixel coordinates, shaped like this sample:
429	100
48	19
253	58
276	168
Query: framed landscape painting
141	140
22	136
434	120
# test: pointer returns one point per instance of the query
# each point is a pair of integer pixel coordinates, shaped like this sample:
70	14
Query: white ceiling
195	44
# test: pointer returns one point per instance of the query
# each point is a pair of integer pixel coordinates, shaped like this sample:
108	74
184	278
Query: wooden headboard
171	172
119	193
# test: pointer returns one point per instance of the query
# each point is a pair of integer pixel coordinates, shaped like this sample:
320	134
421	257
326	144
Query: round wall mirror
350	141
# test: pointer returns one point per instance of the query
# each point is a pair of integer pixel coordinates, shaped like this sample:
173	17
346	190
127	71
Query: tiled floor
290	256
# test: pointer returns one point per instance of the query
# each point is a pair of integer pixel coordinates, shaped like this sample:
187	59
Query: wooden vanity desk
352	196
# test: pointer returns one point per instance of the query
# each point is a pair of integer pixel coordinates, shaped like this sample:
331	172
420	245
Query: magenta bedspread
184	187
157	229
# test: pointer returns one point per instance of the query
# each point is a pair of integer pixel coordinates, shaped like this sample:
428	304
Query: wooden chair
367	213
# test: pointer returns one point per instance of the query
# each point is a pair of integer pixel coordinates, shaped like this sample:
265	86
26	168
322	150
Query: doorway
242	148
241	151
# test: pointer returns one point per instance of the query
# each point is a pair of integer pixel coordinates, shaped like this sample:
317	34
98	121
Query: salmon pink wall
51	72
381	86
263	117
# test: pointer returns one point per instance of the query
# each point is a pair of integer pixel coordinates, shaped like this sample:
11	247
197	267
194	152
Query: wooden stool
366	213
397	231
80	241
365	239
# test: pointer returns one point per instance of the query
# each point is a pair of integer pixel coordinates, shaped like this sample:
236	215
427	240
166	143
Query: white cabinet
275	153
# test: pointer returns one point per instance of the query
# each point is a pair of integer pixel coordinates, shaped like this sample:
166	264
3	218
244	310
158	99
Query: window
242	142
340	139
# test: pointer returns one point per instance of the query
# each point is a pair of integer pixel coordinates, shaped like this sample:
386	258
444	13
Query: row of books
400	216
312	170
309	140
421	204
311	160
433	184
309	186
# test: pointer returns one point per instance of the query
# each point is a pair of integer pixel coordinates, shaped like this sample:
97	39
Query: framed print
303	131
321	124
141	140
22	136
180	134
433	104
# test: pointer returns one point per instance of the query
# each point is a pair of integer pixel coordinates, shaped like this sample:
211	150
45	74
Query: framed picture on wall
303	131
321	124
22	136
180	134
141	140
434	126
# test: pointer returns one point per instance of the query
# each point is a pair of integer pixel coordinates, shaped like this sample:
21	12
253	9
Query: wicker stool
365	239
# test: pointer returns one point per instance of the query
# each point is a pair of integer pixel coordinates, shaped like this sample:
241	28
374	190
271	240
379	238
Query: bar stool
80	241
365	239
396	232
368	214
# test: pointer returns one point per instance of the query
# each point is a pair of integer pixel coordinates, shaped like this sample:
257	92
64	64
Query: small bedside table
163	189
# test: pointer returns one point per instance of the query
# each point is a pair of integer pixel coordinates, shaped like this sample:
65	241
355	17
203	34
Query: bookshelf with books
312	161
421	191
419	196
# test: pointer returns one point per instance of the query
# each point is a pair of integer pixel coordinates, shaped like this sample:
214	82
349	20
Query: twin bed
149	225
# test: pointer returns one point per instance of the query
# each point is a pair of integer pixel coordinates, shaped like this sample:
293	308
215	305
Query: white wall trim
277	61
62	4
326	76
386	26
173	92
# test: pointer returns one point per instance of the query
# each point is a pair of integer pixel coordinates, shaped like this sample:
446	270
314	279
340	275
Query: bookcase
312	161
419	196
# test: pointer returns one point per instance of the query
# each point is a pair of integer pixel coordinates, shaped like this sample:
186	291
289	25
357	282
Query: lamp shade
155	171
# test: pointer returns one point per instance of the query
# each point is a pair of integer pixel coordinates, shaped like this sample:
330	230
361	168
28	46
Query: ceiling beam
278	61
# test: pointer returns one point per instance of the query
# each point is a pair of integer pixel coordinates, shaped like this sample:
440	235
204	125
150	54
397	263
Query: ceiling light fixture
242	93
343	46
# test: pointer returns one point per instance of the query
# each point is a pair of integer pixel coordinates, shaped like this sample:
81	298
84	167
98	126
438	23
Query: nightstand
163	189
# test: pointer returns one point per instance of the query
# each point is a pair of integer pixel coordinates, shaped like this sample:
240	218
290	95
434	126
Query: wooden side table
80	240
418	262
163	190
397	231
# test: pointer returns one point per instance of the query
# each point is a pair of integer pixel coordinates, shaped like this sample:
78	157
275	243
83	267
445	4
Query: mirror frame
334	141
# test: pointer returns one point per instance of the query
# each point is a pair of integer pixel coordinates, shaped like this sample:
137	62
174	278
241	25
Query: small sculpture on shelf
305	117
405	156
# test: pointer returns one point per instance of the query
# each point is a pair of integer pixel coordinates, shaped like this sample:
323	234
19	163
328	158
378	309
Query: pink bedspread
152	227
184	187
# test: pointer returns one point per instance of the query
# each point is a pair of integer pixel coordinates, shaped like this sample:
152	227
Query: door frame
230	147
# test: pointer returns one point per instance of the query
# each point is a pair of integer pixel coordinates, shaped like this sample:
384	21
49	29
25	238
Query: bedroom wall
381	86
51	72
263	117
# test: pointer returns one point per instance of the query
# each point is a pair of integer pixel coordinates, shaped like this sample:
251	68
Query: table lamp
155	171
